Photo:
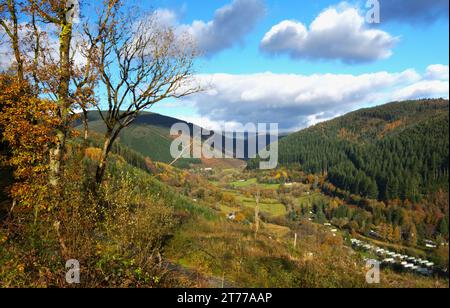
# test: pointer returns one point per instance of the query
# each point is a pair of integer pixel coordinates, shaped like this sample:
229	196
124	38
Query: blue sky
421	44
300	62
271	66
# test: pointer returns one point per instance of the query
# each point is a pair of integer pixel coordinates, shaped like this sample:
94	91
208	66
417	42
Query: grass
277	230
310	199
273	209
243	184
227	209
254	182
270	207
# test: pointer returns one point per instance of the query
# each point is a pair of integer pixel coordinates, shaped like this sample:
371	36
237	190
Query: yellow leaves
21	268
27	124
93	153
99	249
3	239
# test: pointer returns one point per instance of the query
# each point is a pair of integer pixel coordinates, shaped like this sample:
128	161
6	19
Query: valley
234	226
289	220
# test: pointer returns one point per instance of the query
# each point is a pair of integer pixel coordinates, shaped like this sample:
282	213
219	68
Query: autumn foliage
26	124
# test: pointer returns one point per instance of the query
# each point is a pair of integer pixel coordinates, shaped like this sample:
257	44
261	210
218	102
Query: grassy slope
150	136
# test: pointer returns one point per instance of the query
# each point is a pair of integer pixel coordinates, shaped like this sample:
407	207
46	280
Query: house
355	242
380	251
374	234
231	216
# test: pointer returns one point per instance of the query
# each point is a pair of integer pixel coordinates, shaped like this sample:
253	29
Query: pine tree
397	234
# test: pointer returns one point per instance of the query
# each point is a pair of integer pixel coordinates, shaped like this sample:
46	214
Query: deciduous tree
141	63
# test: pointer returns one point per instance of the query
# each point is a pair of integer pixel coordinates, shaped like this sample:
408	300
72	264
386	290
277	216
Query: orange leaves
93	154
27	125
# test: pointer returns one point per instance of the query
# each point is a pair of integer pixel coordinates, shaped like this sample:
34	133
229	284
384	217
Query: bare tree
86	76
36	47
10	24
141	63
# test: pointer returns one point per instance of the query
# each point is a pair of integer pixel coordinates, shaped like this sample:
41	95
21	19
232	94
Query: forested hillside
149	135
399	150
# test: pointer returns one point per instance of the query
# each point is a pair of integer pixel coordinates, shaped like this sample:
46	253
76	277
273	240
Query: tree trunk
36	52
57	153
85	125
110	137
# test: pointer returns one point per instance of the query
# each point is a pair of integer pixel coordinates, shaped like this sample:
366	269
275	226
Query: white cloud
338	33
166	17
423	89
206	123
437	71
298	101
229	26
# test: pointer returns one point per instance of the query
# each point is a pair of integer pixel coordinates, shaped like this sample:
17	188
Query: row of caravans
396	260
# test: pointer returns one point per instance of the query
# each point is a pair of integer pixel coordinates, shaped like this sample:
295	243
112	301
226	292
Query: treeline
132	157
395	222
380	154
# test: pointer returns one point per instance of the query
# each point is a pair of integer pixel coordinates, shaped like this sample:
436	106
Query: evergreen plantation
395	151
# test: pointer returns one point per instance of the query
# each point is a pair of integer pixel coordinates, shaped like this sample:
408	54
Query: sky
300	62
